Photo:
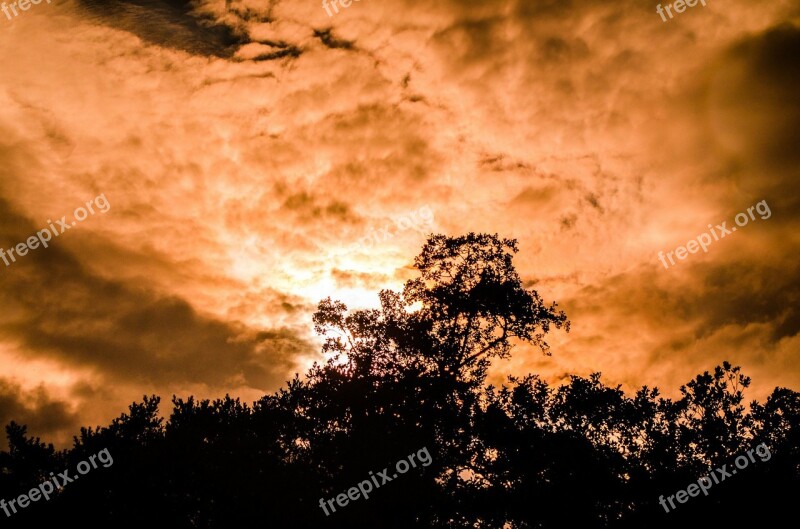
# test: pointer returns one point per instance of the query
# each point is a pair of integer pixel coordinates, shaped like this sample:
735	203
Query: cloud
45	416
58	309
172	24
753	105
245	150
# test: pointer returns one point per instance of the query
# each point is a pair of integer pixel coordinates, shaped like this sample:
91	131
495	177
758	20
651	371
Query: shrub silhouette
526	455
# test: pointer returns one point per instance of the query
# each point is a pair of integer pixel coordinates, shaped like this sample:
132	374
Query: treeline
525	455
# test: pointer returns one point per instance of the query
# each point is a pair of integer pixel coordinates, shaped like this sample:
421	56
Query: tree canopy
409	375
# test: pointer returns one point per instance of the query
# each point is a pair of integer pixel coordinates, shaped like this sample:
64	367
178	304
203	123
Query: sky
244	162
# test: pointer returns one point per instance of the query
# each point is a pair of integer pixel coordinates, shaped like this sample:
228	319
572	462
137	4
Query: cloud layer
244	150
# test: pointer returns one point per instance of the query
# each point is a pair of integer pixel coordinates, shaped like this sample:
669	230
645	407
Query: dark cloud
180	25
327	37
167	23
57	308
43	414
739	292
308	207
754	99
701	308
742	293
282	50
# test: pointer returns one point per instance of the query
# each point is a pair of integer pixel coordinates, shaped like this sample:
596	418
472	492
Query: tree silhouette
411	375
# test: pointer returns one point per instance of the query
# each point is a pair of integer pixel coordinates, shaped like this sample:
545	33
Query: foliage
410	375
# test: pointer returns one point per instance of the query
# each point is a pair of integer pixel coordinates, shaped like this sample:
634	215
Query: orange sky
245	154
